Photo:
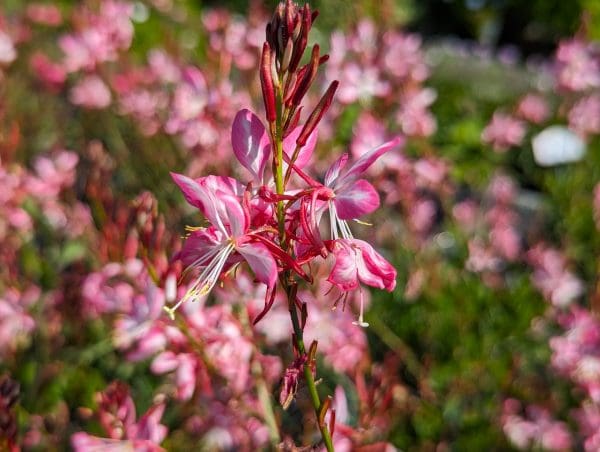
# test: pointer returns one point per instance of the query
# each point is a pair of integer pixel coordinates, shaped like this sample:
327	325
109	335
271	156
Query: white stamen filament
361	322
335	224
205	282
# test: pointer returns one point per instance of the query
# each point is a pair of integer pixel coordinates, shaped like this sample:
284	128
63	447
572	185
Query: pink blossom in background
117	416
111	289
8	53
482	258
551	276
584	117
430	172
51	74
363	42
588	418
368	133
403	56
465	213
414	116
536	429
164	66
91	92
422	215
109	31
533	108
15	322
44	14
578	65
576	353
361	84
503	132
53	174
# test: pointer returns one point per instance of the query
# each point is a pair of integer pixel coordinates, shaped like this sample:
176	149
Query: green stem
264	397
277	140
308	375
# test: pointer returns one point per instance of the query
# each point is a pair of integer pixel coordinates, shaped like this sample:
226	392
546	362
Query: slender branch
277	142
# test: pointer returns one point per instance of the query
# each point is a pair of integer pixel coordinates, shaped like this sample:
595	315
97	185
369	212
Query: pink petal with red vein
357	200
250	143
260	261
363	163
289	146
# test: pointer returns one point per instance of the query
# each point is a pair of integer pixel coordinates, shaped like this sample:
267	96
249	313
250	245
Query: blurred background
490	212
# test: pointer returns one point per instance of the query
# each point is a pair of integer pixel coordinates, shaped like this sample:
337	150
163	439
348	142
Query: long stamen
335	224
205	282
361	322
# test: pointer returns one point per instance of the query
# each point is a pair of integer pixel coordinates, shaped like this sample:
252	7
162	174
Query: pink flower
584	117
503	132
91	92
117	417
357	262
229	236
15	323
353	197
361	84
413	116
551	276
578	66
403	57
536	430
44	14
51	74
533	108
187	367
8	54
369	132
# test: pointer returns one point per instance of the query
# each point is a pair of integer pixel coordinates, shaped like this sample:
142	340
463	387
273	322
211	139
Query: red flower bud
317	114
266	82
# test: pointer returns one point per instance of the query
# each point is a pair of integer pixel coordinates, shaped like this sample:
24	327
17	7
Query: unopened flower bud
287	55
266	82
317	114
274	73
309	76
291	122
301	40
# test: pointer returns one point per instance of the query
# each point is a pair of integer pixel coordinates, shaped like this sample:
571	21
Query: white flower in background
556	145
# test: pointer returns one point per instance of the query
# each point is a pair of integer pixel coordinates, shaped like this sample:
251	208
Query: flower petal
250	143
373	269
344	274
358	199
363	163
357	260
260	261
289	146
192	191
334	170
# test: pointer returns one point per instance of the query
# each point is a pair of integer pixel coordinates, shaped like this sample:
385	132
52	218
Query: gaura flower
226	242
229	239
357	262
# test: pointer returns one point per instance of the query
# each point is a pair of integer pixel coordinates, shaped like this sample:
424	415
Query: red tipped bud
301	41
317	114
304	82
290	86
266	82
332	423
